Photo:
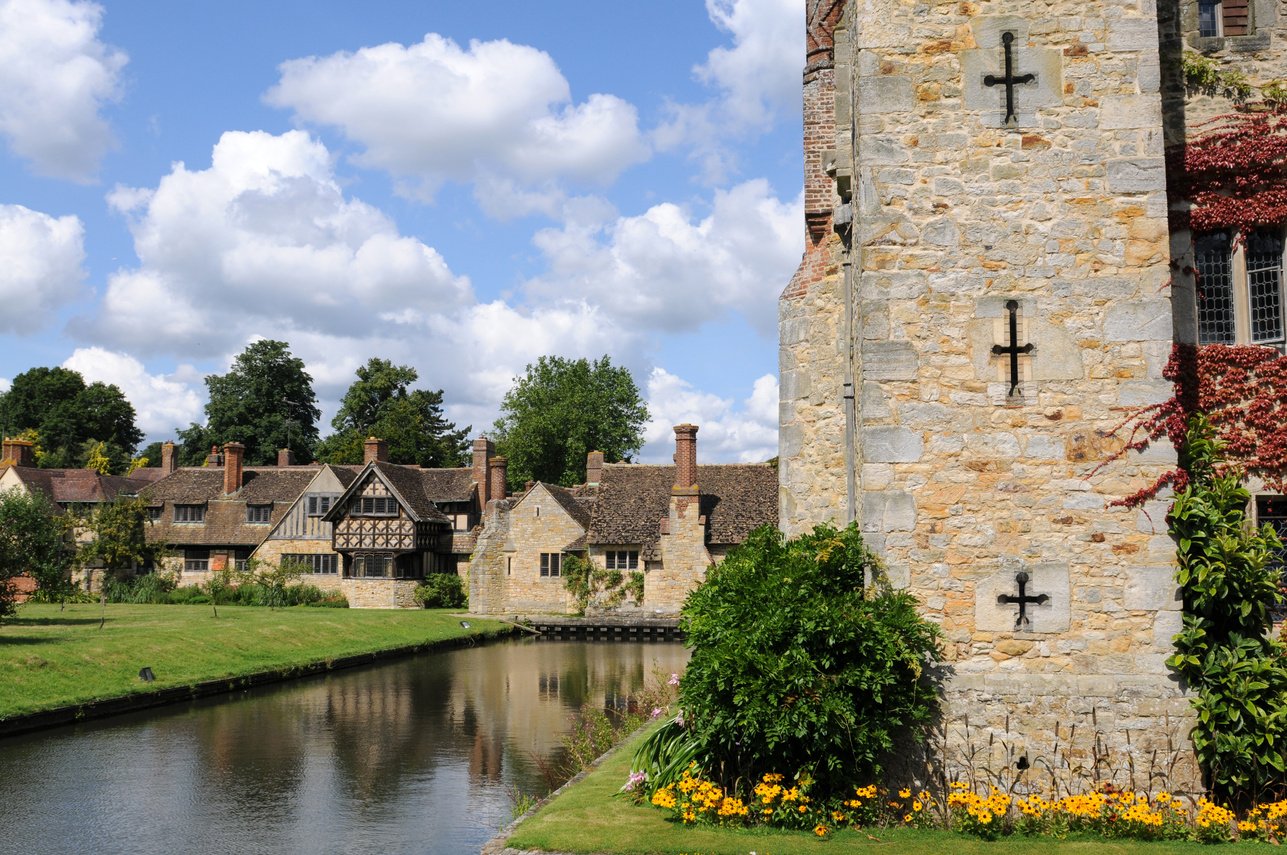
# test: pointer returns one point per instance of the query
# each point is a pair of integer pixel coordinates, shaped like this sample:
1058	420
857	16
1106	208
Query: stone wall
505	572
380	593
965	482
684	557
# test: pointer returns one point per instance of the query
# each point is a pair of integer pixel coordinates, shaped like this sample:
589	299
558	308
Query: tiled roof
225	516
410	484
448	485
77	486
578	509
633	499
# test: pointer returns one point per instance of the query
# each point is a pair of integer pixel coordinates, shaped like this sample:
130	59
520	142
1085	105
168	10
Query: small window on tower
1209	19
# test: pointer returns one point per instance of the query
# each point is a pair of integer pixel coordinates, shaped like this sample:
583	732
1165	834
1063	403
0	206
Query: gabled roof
577	508
448	485
405	482
633	499
76	486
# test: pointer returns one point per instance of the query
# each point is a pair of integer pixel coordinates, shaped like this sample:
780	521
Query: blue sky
405	180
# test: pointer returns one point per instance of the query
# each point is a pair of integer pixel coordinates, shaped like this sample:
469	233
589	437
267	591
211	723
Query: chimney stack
375	449
497	470
19	452
685	459
484	448
593	468
285	457
169	458
214	458
233	454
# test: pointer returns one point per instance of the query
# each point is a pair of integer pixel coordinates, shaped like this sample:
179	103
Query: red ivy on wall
1243	390
1235	173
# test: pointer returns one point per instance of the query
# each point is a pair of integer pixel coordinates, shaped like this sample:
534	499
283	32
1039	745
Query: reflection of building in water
548	682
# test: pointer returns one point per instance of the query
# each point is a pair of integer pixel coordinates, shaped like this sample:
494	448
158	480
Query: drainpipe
851	415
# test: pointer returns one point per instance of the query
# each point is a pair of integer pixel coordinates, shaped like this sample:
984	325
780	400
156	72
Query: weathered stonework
939	215
505	575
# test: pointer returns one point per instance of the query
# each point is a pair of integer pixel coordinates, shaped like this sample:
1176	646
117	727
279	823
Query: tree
119	539
381	403
70	417
265	402
559	410
33	540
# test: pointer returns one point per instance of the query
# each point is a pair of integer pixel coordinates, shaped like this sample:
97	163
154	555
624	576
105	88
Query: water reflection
420	755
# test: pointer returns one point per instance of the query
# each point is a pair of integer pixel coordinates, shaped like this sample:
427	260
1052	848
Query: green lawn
51	658
587	817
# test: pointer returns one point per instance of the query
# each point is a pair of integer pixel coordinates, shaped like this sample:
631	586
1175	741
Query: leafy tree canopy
265	402
70	418
381	403
33	540
559	410
119	536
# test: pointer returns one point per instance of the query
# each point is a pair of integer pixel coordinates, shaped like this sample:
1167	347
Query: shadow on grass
6	639
47	621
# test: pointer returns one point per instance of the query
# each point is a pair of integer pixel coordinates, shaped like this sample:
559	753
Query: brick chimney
169	458
593	468
375	449
19	452
233	454
685	459
484	448
285	457
497	470
214	458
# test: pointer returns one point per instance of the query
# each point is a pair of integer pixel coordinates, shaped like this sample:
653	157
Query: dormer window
319	504
259	514
189	513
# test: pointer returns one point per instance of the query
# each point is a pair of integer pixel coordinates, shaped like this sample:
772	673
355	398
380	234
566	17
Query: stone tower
986	293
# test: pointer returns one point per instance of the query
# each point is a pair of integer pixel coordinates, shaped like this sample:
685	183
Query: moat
422	755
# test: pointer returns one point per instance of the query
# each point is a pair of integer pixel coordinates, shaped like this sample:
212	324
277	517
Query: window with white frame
551	563
621	559
1220	18
1240	288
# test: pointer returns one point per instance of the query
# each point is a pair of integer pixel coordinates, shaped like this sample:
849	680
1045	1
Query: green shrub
442	591
799	666
1226	651
149	588
329	600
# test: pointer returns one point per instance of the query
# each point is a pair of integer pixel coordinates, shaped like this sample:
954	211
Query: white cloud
55	76
161	403
726	433
663	270
41	269
5	383
434	112
756	80
760	74
264	239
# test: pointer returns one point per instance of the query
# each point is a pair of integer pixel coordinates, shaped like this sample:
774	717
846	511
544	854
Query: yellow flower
917	806
907	817
820	830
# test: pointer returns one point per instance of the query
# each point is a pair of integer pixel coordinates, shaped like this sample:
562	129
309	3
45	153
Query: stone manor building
993	279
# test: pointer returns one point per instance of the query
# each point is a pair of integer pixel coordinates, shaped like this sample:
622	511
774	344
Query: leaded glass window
1264	286
1214	256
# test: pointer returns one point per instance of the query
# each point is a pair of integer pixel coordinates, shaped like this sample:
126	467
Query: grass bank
51	659
587	817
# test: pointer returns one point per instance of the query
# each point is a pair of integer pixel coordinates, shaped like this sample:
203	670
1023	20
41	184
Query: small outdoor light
465	624
146	675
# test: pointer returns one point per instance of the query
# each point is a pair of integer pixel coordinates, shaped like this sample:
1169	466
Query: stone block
1133	34
1130	111
989	101
1051	578
891	445
888	360
889	93
1151	588
1136	175
1145	320
873	403
891	510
